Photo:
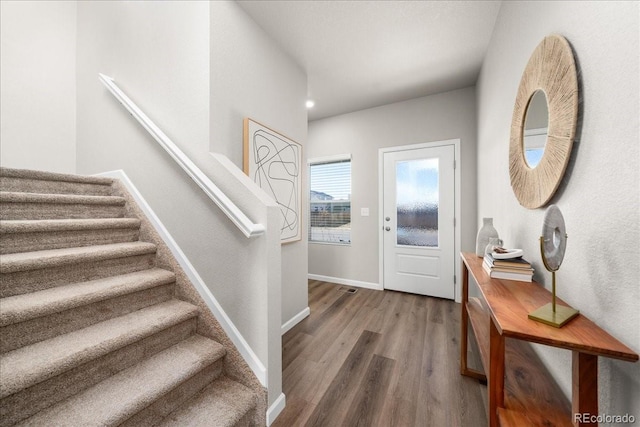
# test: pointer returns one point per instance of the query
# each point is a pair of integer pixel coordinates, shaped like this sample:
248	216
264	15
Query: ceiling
362	54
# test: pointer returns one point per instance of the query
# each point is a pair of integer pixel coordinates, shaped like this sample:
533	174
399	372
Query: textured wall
600	195
164	56
252	77
449	115
38	85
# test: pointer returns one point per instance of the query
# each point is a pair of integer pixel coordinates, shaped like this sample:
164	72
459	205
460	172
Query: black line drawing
274	164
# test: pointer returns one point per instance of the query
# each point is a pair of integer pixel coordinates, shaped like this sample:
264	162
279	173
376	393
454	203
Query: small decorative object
487	231
553	243
494	243
274	162
502	253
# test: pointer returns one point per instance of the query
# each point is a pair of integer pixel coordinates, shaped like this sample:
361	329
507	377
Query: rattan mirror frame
551	69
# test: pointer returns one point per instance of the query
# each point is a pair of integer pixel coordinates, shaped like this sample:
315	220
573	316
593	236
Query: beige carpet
98	325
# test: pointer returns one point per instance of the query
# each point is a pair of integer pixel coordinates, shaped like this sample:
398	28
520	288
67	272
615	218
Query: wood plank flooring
378	358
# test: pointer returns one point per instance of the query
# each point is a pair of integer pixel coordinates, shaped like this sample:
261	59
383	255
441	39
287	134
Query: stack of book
510	269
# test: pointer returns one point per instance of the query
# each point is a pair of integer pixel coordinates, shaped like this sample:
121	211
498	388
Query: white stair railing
248	227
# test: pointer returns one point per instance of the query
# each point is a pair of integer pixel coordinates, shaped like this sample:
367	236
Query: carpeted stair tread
53	176
24	307
221	404
32	364
92	331
36	260
67	199
117	398
21	180
51	225
46	234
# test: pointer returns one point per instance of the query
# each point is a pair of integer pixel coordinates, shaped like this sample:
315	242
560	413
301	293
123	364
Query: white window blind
330	200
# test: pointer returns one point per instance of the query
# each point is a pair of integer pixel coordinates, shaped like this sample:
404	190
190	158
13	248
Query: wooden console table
528	396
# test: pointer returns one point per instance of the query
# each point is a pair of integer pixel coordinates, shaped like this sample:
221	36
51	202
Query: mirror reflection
535	128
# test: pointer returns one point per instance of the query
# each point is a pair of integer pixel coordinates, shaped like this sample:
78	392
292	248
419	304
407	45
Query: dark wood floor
377	358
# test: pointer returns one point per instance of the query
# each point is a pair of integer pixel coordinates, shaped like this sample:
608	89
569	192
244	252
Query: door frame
456	200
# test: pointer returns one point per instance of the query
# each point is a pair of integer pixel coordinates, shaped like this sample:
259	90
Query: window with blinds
330	200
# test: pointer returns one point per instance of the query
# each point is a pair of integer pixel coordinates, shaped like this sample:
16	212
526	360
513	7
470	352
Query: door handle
387	219
387	228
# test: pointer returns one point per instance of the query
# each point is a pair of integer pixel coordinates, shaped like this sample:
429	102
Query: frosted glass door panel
417	202
418	233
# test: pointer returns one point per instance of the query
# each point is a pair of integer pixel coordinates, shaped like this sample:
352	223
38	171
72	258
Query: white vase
484	234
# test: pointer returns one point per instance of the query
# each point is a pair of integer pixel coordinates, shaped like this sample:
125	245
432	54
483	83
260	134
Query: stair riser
45	327
29	401
223	403
25	242
36	280
19	210
53	187
163	406
246	420
66	379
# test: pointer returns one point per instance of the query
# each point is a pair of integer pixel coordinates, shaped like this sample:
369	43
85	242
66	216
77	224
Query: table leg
584	394
496	374
464	319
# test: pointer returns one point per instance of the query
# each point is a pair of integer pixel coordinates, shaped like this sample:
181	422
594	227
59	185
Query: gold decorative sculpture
553	243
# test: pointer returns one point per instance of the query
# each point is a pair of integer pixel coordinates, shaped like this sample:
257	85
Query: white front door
418	220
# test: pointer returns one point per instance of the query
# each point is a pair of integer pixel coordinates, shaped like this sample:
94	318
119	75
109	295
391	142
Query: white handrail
248	227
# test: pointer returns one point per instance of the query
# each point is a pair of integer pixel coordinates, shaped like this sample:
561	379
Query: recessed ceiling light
310	103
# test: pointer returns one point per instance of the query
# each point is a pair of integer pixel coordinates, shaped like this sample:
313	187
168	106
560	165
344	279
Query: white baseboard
276	408
295	320
234	334
348	282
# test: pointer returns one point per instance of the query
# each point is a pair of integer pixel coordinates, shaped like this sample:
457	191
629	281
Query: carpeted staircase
94	331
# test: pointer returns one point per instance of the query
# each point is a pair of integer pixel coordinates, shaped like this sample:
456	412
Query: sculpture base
559	318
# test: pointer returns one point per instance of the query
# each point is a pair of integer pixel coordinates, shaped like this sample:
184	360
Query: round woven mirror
552	71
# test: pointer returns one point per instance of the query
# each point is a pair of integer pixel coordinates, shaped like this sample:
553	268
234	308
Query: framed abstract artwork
274	162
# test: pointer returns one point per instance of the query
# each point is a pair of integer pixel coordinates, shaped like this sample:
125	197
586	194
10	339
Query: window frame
339	158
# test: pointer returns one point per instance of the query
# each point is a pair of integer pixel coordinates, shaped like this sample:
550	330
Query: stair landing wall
234	365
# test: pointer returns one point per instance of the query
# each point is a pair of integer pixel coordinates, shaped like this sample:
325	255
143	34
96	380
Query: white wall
600	197
197	69
180	61
38	85
449	115
252	77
